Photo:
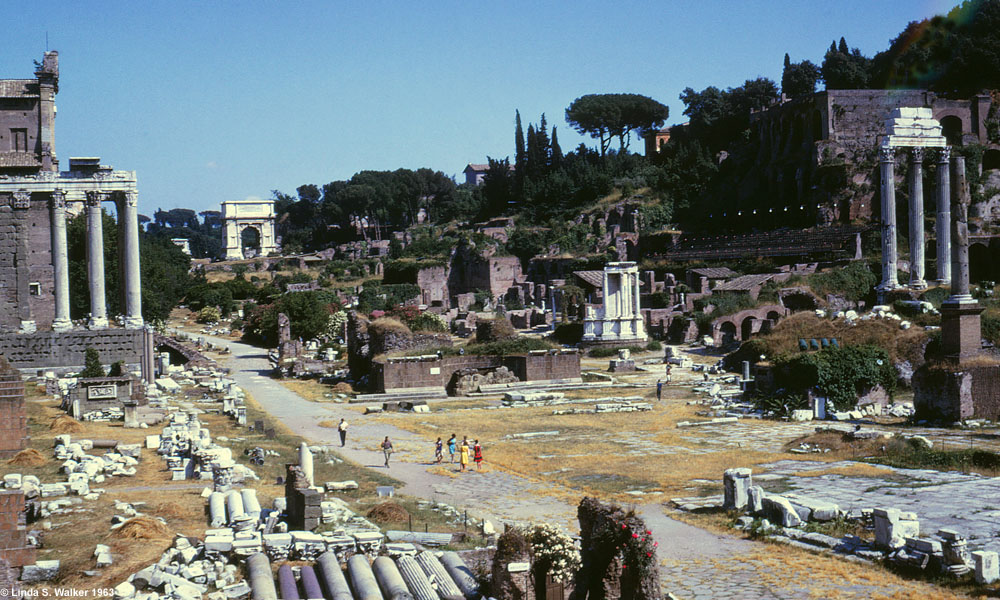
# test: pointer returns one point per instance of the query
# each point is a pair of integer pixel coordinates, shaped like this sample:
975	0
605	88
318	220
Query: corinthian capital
21	199
58	200
95	198
131	199
944	154
886	154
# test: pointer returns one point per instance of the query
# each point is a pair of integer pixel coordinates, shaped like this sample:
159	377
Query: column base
943	282
887	286
134	323
27	327
919	284
62	325
97	323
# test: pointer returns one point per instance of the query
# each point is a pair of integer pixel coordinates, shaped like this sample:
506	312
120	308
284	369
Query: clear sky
211	100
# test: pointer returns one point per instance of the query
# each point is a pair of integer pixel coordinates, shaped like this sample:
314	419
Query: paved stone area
686	552
968	503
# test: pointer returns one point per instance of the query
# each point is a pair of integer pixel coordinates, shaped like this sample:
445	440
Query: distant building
183	244
474	173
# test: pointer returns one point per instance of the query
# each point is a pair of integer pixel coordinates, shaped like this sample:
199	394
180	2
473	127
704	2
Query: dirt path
690	556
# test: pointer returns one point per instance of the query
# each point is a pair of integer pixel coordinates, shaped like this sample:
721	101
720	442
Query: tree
606	116
92	366
799	79
845	69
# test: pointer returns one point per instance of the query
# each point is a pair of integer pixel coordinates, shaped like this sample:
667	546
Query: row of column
128	224
942	233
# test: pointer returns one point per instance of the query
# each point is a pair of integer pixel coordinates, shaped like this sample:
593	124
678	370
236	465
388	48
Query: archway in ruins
951	129
728	330
746	328
250	241
991	159
981	263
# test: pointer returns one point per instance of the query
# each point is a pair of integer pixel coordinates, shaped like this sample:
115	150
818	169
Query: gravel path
686	551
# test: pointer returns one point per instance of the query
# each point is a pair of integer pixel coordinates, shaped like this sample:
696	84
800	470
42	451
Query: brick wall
13	420
13	531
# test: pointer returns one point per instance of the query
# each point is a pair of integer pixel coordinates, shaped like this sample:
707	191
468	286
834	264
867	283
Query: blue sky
211	101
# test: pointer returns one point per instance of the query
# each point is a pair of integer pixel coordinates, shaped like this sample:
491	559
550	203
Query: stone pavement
504	496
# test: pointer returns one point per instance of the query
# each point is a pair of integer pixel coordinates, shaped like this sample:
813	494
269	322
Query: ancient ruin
252	217
618	319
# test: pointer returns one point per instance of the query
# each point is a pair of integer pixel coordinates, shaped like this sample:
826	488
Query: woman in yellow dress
464	456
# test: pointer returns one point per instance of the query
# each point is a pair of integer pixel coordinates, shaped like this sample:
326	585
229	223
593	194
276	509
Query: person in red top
477	455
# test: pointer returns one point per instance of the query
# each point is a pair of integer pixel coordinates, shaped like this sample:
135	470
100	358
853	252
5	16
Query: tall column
60	261
960	234
128	224
888	175
21	283
942	225
95	261
917	219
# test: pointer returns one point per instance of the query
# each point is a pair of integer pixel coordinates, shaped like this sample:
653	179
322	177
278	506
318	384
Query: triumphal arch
253	214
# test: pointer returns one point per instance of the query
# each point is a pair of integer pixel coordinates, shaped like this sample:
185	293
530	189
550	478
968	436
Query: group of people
465	451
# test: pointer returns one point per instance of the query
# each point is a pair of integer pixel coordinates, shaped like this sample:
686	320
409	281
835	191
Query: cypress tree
520	157
557	155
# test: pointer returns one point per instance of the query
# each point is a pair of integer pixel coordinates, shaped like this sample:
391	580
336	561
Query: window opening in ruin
951	128
19	140
35	289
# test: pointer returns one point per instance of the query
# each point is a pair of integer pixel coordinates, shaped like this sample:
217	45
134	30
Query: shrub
519	345
725	303
386	325
854	282
839	374
117	369
92	364
209	314
568	333
654	346
494	330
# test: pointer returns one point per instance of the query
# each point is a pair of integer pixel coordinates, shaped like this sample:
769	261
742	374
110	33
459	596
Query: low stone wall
13	530
98	393
964	393
432	371
48	349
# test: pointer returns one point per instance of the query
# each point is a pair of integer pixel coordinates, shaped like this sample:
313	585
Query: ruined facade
35	200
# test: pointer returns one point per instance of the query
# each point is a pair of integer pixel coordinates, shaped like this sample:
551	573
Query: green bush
117	369
518	345
568	333
854	282
209	314
92	366
654	346
725	303
839	374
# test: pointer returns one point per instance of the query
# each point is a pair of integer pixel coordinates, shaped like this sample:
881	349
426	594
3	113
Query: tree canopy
607	116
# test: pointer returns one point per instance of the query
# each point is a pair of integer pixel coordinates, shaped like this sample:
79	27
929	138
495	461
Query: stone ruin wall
13	530
601	574
437	372
25	257
47	349
13	418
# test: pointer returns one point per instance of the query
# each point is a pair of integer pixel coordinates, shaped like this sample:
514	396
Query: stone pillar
21	203
95	261
888	176
960	232
917	219
60	261
128	225
942	227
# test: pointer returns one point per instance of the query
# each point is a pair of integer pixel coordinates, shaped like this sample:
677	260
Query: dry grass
885	333
142	528
311	389
329	424
65	424
388	512
29	457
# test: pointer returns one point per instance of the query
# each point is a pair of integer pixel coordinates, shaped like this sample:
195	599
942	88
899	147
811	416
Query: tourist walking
342	429
387	450
452	447
438	451
477	455
659	389
668	373
464	455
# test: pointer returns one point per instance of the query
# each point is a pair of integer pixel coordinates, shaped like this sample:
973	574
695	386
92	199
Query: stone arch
240	215
991	159
981	262
250	240
952	129
727	329
773	315
746	328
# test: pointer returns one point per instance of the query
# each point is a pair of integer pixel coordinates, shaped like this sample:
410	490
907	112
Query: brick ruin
14	547
610	538
13	419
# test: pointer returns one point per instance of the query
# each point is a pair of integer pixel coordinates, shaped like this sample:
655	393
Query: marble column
128	224
60	261
887	157
960	233
95	261
917	219
942	226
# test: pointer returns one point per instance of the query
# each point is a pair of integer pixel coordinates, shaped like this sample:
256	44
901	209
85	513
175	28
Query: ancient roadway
690	556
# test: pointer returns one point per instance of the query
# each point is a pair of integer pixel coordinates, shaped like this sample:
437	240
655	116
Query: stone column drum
942	227
128	223
95	261
917	219
60	261
888	175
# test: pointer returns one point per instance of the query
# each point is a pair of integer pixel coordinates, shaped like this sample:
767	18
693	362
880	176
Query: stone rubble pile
897	536
191	454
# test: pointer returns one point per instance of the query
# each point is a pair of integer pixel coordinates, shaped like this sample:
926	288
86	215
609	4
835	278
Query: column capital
944	155
58	199
131	199
95	198
886	154
917	154
21	199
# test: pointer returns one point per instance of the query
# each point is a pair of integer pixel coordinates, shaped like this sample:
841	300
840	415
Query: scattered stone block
43	570
987	566
737	483
893	526
802	415
780	510
341	486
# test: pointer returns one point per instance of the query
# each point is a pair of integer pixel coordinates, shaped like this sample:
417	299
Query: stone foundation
48	349
433	371
13	531
13	420
957	394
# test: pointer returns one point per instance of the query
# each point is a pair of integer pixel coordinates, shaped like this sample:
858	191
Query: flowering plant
555	551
